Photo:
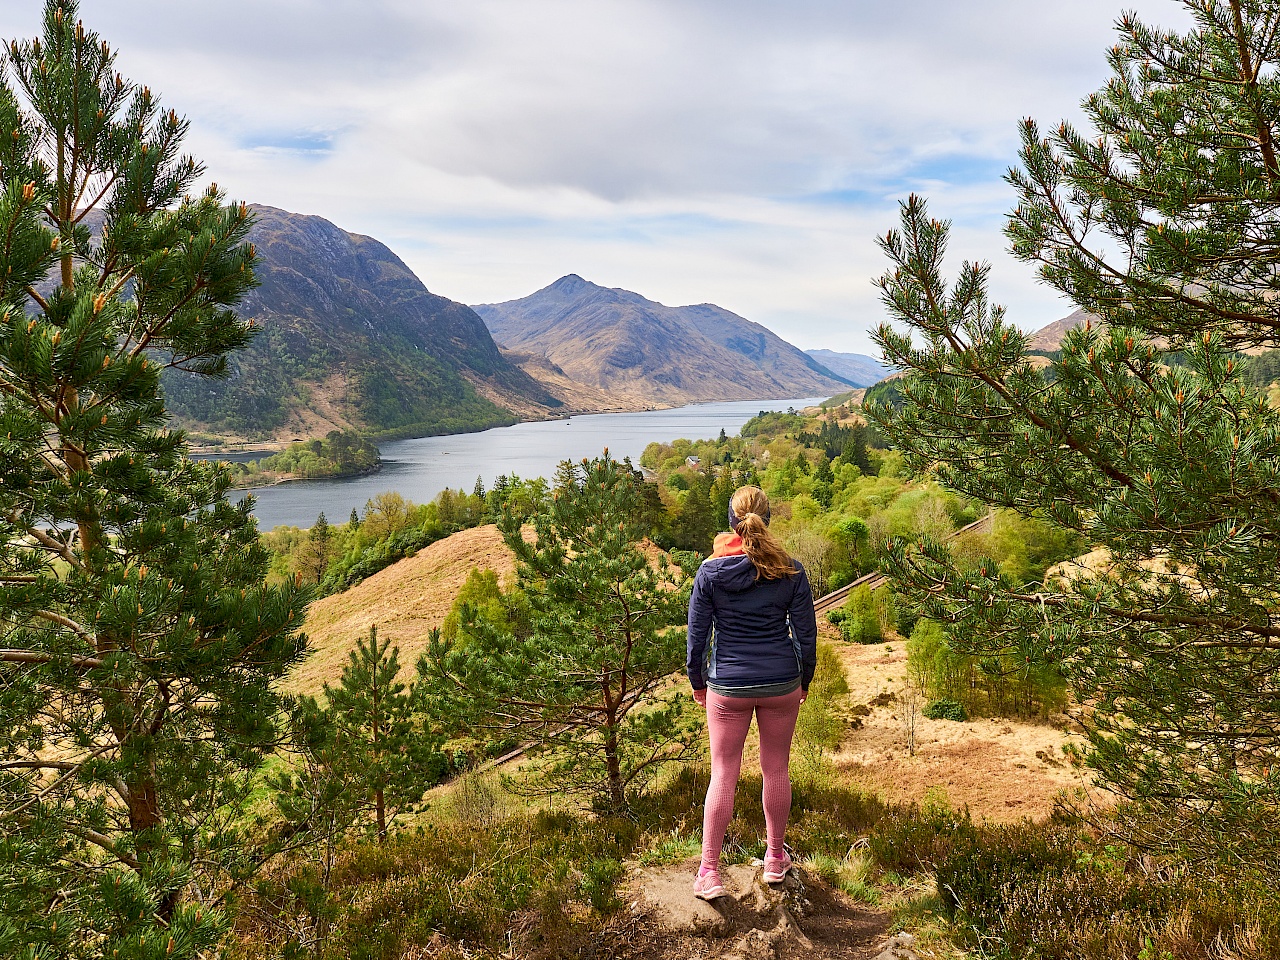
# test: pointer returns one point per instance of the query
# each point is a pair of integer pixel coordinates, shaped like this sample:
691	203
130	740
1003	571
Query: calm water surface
420	469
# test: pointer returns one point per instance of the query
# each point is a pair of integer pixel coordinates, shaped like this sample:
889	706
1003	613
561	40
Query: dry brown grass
1000	769
327	408
404	601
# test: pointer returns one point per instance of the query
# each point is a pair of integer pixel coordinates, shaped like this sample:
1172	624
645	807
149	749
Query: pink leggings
728	720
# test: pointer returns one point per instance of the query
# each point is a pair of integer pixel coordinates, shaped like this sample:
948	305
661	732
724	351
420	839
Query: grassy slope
404	601
997	768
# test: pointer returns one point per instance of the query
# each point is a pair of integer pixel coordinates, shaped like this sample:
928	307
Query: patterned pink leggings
728	720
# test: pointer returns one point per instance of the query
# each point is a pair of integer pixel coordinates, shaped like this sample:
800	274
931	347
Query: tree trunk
144	815
144	804
613	768
379	805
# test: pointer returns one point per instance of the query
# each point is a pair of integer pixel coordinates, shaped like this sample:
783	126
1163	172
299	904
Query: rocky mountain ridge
350	339
632	347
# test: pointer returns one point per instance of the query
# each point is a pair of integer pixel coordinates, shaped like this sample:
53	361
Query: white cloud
743	152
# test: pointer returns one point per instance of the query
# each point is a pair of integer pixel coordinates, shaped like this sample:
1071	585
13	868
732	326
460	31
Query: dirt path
801	917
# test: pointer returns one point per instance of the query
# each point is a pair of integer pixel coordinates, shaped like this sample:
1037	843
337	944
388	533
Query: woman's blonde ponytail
750	507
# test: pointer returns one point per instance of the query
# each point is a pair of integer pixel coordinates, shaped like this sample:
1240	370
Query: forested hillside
348	338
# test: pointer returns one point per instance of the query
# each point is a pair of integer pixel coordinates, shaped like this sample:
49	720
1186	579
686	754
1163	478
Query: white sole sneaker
714	892
769	876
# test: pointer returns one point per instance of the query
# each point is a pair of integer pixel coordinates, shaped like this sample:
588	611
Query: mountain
857	368
1048	339
350	338
618	341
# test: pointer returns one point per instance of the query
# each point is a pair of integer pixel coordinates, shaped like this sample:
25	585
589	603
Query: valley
349	339
344	620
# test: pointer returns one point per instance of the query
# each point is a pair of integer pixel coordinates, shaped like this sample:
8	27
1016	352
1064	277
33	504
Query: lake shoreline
419	469
293	478
266	448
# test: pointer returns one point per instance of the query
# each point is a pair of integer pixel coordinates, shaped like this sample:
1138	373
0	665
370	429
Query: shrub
1001	686
905	617
945	710
859	619
912	838
1046	891
352	570
557	872
818	728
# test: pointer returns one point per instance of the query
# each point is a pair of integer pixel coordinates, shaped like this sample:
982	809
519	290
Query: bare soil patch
327	408
801	917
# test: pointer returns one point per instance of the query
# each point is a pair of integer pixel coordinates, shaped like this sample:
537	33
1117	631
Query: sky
738	152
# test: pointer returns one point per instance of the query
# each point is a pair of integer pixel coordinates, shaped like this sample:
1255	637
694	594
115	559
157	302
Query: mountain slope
1049	338
620	342
349	337
857	368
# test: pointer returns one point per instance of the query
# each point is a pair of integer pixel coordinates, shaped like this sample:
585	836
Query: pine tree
651	514
584	682
1145	436
721	493
565	480
449	510
140	643
385	747
319	549
695	523
319	802
823	481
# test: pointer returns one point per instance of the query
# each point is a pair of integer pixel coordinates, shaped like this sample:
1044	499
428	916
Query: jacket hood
733	574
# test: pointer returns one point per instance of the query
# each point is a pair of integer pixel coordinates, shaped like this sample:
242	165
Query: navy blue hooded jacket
746	632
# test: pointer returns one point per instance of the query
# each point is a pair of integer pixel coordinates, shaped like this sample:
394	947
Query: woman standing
752	650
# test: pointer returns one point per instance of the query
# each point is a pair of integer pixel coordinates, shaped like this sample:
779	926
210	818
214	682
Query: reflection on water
420	469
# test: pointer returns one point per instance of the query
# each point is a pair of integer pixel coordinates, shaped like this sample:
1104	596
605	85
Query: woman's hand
700	697
804	695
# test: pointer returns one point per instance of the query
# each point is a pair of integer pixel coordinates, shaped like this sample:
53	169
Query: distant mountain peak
350	338
619	341
570	283
1049	338
858	368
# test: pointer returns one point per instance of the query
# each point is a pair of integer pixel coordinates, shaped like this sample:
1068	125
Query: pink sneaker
707	886
776	870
